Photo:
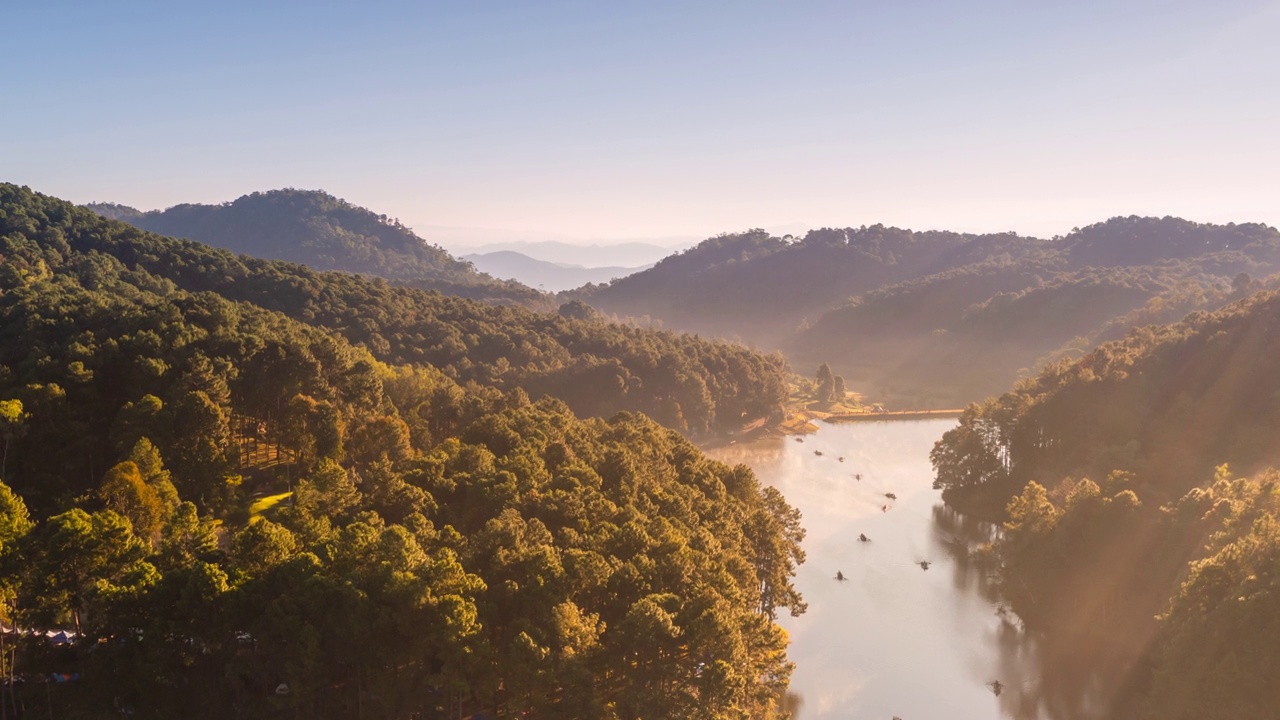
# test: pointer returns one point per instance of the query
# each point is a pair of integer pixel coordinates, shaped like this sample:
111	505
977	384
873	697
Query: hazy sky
610	120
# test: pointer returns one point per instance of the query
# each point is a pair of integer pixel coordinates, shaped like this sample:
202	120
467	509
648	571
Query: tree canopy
940	319
1134	483
323	232
245	504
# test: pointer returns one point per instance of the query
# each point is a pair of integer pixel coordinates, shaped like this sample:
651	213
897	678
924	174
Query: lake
894	639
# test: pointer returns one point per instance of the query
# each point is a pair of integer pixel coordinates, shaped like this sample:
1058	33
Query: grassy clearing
265	506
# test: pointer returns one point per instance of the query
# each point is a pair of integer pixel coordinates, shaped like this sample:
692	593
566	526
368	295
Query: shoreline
895	415
804	421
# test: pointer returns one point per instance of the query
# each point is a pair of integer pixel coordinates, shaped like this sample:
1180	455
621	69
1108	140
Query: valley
973	583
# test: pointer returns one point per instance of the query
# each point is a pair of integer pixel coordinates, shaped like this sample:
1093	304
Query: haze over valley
544	275
891	309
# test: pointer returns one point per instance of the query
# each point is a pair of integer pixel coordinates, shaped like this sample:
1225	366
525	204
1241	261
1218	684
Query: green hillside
1137	485
316	229
234	511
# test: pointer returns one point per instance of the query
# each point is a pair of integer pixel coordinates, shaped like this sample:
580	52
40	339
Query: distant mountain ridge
759	286
620	254
549	276
926	319
960	335
324	232
696	385
941	318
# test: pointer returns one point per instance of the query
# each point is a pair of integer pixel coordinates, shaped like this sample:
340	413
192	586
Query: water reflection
893	639
1060	678
967	543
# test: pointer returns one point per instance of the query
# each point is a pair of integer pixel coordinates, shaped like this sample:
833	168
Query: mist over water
894	639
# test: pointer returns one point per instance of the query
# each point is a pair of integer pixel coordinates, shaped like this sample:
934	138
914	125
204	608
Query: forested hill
956	336
939	319
323	232
1168	403
760	287
1132	241
598	368
1137	484
235	512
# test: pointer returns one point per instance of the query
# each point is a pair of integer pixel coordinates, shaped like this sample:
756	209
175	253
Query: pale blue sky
610	120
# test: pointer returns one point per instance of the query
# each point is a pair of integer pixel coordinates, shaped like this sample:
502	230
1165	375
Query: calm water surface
894	639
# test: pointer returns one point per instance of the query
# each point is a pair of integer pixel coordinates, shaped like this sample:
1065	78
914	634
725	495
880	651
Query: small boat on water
891	496
924	564
862	537
840	576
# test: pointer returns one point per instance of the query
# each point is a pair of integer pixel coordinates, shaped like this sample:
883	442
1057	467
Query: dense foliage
969	332
242	514
1167	403
1168	528
320	231
537	564
940	319
598	368
760	287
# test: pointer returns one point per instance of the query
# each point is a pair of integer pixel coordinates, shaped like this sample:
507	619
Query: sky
602	121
